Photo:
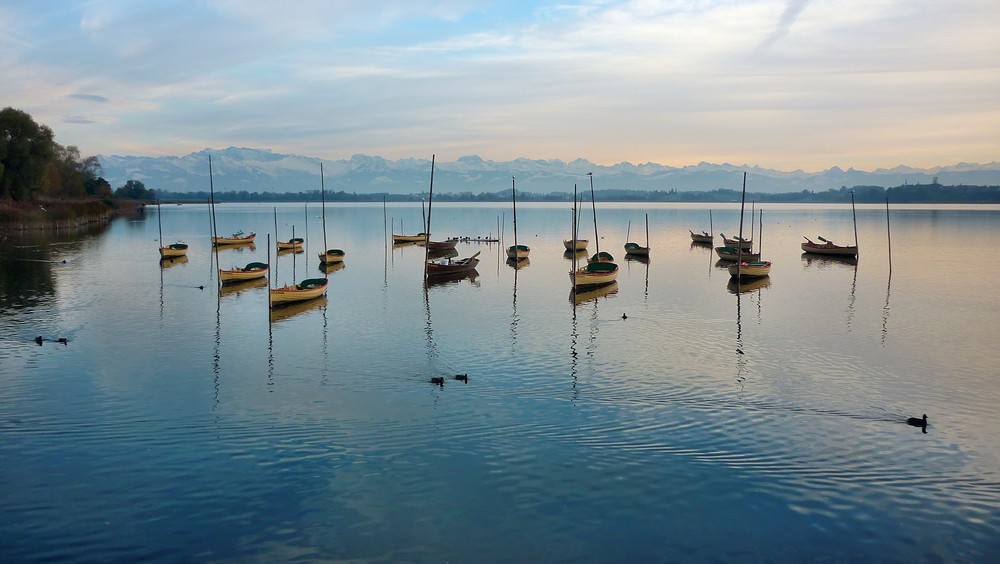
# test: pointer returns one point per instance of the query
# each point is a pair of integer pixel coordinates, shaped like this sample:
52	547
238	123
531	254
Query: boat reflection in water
236	247
331	267
451	279
296	308
593	294
441	254
167	262
231	289
518	264
291	251
811	259
644	259
737	286
580	255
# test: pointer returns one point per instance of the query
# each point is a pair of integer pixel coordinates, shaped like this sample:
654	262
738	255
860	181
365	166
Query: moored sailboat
172	250
306	290
251	271
635	249
516	251
329	255
596	272
745	268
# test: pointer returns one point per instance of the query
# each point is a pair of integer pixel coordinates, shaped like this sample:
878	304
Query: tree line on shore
913	193
33	166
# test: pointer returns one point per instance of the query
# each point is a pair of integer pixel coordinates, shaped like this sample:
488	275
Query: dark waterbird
462	378
917	421
624	316
437	380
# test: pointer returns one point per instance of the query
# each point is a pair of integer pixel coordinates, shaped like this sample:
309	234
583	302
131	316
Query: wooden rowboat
249	272
828	248
294	243
518	252
332	255
750	269
594	274
173	250
419	237
575	244
746	244
636	249
305	290
734	254
444	267
702	237
237	238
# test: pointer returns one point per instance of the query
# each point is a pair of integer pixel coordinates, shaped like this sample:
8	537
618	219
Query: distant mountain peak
263	170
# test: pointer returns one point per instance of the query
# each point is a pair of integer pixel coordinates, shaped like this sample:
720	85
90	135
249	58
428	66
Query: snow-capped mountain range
261	170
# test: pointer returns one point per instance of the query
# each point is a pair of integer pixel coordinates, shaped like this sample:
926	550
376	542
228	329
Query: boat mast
760	236
159	222
573	234
215	230
322	190
854	214
427	226
739	244
647	230
593	202
513	197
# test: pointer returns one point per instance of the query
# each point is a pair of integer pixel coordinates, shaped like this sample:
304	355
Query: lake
715	422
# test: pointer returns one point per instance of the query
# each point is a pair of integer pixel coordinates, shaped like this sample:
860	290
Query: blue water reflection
674	415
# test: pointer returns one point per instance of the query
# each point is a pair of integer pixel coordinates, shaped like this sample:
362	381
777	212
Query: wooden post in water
711	228
427	226
888	233
215	230
593	203
854	215
322	190
739	243
385	221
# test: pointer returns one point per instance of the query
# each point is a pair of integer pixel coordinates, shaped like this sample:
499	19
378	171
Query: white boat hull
750	269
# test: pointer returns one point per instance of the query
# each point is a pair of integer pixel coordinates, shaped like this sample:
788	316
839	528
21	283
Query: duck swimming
917	421
438	380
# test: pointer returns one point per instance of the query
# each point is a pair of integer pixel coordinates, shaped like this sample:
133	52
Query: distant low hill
261	170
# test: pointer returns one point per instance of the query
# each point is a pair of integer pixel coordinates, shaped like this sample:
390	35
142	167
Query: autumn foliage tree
32	164
26	149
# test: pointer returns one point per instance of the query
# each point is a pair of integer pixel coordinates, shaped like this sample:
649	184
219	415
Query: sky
783	84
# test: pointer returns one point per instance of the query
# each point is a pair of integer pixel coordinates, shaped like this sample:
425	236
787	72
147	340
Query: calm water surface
766	422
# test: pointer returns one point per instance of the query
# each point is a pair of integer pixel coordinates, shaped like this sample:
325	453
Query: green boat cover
601	267
310	283
255	266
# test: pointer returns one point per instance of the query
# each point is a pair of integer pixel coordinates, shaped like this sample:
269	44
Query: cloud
78	120
785	23
90	98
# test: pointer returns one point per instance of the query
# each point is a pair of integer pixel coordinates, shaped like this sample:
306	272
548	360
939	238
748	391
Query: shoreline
62	214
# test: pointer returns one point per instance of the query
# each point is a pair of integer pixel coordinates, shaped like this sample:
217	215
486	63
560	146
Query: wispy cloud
90	97
791	13
609	80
